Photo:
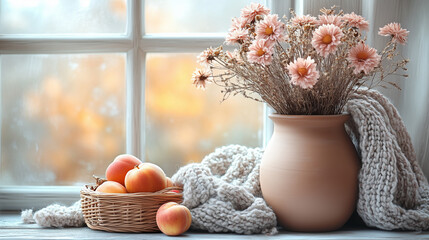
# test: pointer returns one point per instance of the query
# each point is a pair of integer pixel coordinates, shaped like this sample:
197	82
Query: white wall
413	103
413	100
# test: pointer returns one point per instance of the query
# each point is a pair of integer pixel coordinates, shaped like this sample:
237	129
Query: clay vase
309	172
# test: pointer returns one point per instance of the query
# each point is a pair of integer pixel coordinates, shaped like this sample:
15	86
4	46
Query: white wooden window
138	47
141	53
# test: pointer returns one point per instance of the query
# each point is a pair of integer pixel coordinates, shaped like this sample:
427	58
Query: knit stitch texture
393	191
223	192
56	216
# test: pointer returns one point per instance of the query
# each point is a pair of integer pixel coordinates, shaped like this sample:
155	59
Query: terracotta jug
309	172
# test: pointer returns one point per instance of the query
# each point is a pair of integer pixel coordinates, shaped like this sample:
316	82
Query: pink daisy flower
237	36
303	72
394	30
237	23
363	58
260	51
326	38
330	19
302	20
250	12
200	77
270	28
206	57
235	55
356	21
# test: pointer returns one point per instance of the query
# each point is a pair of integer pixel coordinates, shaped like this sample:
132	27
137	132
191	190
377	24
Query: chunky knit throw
223	192
224	195
393	192
55	216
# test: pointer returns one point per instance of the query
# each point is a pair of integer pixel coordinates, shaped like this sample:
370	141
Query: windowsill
11	227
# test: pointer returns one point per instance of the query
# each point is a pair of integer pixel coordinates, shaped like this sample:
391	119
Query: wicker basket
130	212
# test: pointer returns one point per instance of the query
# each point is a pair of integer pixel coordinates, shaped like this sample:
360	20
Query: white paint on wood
36	197
63	44
135	85
0	112
11	227
149	43
180	43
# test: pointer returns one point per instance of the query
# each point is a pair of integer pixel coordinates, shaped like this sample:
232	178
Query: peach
169	182
117	170
111	187
173	219
146	177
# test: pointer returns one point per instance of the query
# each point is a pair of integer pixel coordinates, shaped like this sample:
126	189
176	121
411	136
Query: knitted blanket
56	216
223	191
393	192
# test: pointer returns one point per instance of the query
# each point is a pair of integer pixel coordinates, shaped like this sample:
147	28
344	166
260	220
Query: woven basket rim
125	212
87	189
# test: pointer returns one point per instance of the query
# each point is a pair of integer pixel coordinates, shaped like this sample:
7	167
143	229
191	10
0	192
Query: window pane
62	117
62	16
190	16
183	123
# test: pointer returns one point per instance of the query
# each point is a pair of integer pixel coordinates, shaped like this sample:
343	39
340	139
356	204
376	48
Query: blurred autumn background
63	115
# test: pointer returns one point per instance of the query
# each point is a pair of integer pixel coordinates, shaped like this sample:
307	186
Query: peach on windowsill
173	219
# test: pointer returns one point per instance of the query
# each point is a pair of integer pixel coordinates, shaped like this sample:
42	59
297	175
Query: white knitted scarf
224	195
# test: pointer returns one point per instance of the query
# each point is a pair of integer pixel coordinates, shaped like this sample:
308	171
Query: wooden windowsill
11	227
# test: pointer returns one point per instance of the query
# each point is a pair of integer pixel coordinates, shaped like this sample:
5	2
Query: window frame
136	45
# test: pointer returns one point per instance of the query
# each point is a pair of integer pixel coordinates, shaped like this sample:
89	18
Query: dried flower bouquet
303	65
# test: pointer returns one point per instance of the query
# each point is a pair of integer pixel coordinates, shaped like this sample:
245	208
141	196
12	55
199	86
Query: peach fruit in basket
169	182
111	187
146	177
117	170
173	219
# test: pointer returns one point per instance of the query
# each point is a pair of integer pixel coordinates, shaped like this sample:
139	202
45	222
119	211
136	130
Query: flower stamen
327	39
362	56
302	71
269	31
